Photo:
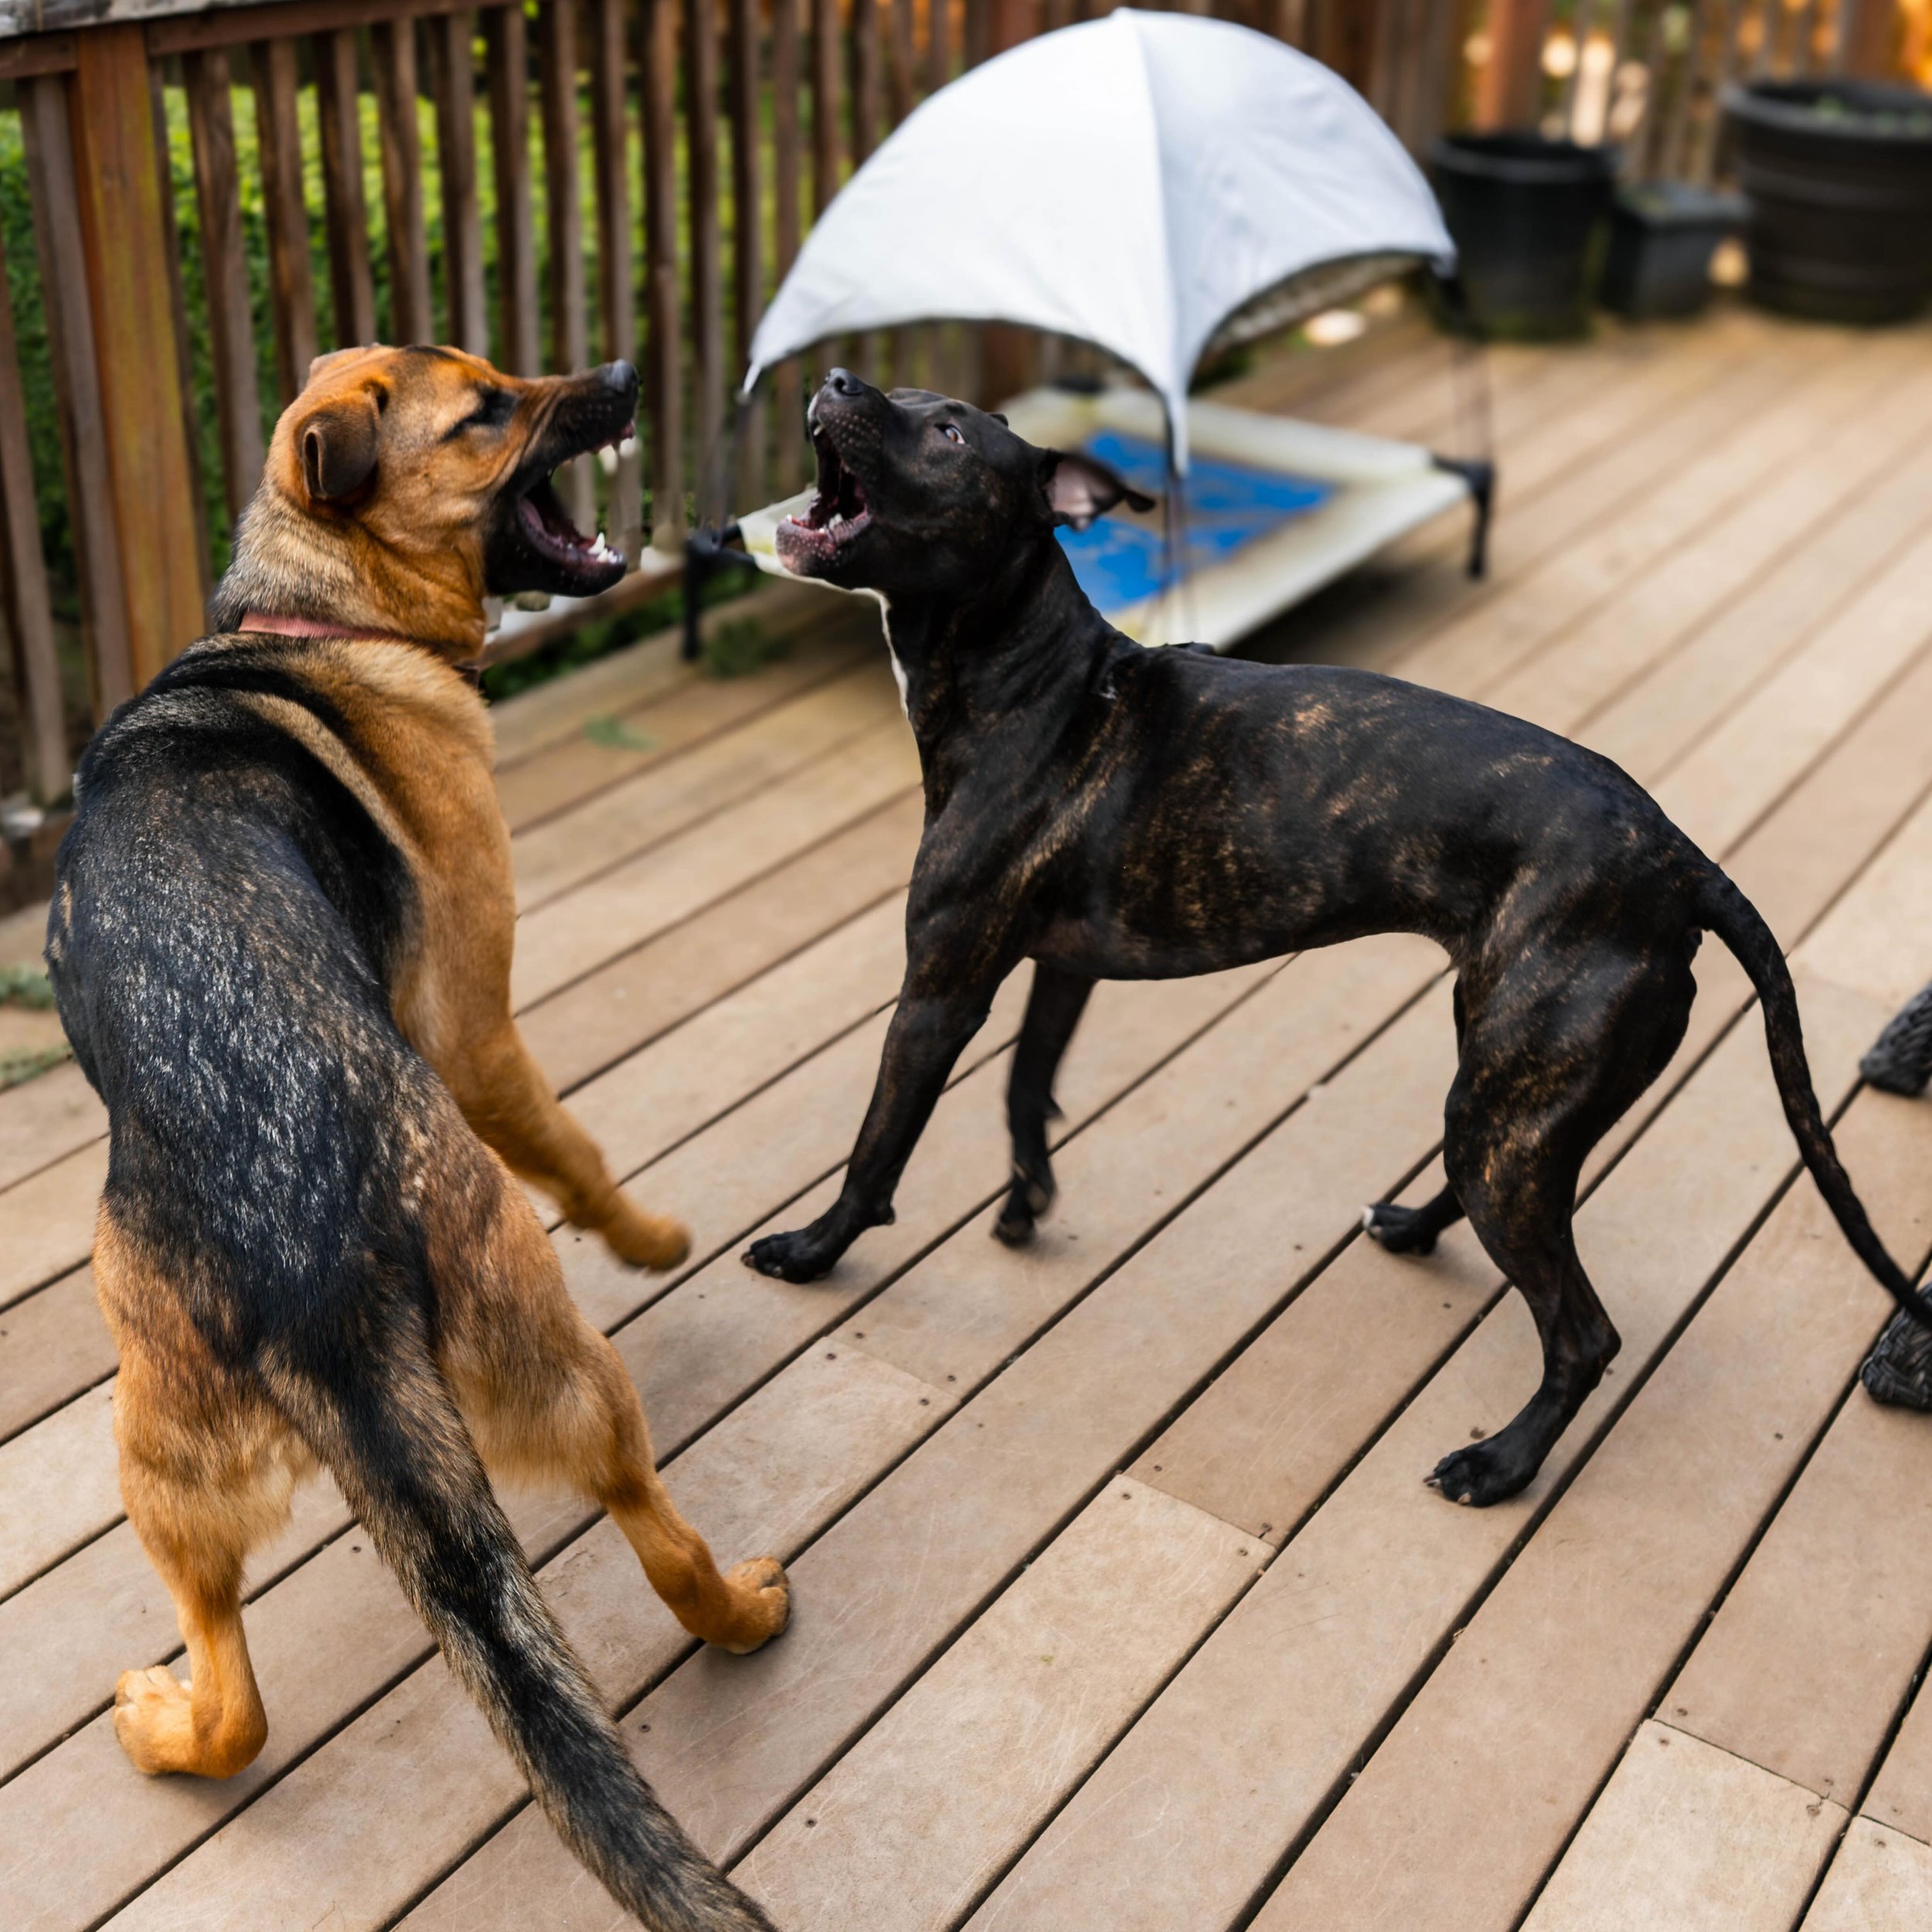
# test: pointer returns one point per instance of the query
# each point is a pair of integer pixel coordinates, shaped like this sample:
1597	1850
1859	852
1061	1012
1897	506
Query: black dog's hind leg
1412	1230
1405	1230
929	1032
1053	1009
1558	1053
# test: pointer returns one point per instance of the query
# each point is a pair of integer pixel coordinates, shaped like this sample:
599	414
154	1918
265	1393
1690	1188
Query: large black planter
1839	177
1524	213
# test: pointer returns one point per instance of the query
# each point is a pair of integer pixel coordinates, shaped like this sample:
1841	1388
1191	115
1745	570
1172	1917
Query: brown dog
281	943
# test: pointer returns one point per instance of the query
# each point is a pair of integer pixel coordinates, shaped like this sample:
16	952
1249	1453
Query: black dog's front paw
1030	1196
1482	1473
1401	1230
802	1255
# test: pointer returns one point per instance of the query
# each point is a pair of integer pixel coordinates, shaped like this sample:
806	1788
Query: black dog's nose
619	376
842	382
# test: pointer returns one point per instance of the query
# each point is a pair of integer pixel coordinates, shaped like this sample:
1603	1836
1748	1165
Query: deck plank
671	724
1571	675
1688	1837
630	817
1653	722
913	1822
575	934
1880	1881
1811	1654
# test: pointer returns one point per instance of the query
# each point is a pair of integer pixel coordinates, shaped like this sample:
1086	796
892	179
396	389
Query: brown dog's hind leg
205	1481
547	1397
505	1098
1053	1009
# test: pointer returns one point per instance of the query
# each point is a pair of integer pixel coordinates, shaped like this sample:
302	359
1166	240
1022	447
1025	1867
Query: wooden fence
193	204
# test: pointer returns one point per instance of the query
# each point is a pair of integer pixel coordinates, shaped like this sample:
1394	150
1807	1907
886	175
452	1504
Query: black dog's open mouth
837	516
548	529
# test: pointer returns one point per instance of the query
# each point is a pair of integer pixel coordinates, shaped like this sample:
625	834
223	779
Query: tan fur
208	1466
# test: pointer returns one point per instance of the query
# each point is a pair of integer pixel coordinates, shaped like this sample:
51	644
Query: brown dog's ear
1079	489
337	440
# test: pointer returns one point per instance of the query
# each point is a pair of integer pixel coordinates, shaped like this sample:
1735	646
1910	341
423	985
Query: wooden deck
1119	1602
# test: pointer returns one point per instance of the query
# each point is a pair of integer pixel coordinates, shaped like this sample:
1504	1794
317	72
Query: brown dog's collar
313	627
469	669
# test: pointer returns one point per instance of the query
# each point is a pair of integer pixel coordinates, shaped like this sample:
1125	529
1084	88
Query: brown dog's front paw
761	1604
155	1721
652	1241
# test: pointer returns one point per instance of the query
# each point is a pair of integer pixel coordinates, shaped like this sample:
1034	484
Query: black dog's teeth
838	495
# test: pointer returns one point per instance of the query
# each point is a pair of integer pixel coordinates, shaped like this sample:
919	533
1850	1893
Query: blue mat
1118	562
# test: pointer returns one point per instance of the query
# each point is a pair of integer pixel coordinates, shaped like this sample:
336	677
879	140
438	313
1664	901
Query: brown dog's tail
390	1433
1726	912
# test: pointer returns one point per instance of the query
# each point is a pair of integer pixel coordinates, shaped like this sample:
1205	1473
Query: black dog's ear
999	418
1079	489
337	440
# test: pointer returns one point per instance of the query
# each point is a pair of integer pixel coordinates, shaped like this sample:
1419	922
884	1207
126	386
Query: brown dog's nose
619	376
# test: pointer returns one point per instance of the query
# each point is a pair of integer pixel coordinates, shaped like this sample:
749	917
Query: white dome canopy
1131	181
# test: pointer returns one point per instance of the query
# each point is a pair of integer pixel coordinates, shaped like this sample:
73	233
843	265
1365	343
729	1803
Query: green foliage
736	649
25	986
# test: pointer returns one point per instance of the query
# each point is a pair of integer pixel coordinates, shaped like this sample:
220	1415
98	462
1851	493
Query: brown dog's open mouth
837	516
547	527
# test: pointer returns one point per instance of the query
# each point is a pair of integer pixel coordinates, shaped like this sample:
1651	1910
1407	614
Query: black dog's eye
951	432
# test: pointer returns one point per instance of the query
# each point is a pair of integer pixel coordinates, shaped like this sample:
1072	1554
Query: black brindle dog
1117	813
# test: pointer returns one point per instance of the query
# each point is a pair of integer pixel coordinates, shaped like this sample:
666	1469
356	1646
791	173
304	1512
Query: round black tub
1838	174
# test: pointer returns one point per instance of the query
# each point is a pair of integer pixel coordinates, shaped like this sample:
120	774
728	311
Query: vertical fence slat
24	608
616	291
747	250
570	346
939	51
826	33
48	127
787	389
707	296
453	77
863	41
279	142
665	385
412	319
178	321
122	202
902	71
337	85
231	328
506	35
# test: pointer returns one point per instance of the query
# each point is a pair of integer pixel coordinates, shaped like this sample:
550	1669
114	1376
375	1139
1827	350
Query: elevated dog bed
1275	509
1157	185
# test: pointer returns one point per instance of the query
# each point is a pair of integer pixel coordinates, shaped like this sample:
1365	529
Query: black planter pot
1839	177
1523	212
1662	238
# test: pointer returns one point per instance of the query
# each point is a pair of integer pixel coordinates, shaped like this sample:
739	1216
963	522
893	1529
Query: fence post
24	608
1506	90
1007	360
150	477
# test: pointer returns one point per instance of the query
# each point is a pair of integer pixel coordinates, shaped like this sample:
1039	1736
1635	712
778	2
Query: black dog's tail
392	1437
1726	912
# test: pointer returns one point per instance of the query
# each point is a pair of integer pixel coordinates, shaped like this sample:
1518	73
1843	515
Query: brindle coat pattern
281	942
1113	812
